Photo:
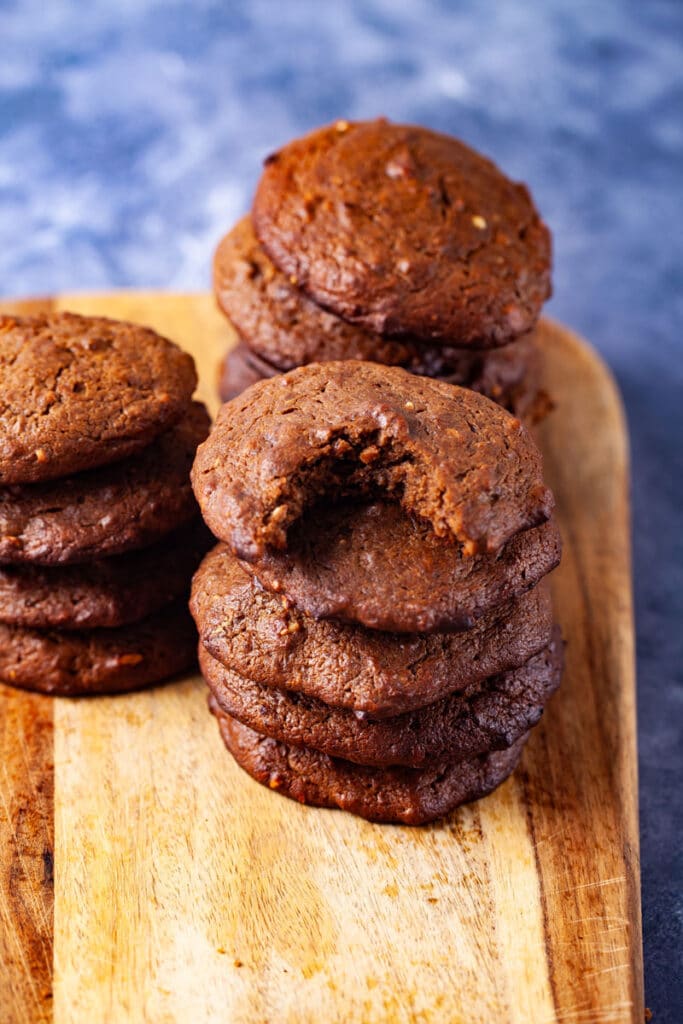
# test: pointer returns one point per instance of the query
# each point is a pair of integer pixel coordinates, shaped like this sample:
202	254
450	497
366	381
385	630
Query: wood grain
26	857
186	892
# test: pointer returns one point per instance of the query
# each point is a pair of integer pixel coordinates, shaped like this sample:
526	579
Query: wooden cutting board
146	879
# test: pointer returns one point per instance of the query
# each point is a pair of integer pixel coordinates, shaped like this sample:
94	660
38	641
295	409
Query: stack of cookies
99	529
393	244
375	627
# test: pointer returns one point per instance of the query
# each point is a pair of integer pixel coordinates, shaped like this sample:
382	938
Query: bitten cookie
99	661
79	392
108	510
448	455
406	232
408	796
376	565
486	716
263	638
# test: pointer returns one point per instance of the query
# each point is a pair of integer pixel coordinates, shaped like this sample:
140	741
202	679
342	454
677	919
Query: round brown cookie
277	320
372	564
406	796
105	593
79	392
405	231
282	329
262	637
486	716
98	661
507	375
108	510
449	455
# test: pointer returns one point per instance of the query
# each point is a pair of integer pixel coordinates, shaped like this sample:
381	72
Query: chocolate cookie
262	637
449	455
276	319
283	329
108	510
509	376
104	593
79	392
486	716
99	661
405	231
407	796
375	565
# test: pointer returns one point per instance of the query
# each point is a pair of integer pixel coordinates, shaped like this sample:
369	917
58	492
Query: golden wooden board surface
185	892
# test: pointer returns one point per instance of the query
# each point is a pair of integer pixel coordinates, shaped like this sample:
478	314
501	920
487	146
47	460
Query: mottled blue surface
131	135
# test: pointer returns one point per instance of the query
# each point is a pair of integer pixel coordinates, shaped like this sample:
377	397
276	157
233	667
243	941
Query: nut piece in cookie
97	661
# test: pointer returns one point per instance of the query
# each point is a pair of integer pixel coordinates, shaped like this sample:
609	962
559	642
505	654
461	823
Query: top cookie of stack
98	526
390	243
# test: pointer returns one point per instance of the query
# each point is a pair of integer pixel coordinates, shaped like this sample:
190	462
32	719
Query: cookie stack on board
394	244
99	529
375	628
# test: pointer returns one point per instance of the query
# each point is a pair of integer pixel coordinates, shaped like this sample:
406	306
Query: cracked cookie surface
106	592
80	392
280	329
277	320
406	232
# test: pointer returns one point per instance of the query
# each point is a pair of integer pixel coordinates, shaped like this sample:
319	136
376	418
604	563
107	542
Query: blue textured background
131	135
